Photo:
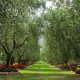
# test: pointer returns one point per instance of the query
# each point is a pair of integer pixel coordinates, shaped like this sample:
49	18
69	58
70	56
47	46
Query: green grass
42	71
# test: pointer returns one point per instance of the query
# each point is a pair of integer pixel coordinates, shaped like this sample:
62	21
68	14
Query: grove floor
42	71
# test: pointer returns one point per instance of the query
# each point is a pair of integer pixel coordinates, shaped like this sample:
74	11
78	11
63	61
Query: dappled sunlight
44	72
44	68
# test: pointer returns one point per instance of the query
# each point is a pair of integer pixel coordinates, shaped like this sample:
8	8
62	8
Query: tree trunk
19	60
66	63
12	60
8	60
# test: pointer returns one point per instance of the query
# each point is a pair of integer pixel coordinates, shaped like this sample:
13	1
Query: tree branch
14	41
17	46
5	47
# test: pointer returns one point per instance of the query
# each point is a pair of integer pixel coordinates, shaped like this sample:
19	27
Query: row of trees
19	31
61	35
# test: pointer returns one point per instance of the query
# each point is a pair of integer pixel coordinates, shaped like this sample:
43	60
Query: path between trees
42	71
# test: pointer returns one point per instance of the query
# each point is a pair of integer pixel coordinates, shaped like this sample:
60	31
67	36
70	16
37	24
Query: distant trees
61	34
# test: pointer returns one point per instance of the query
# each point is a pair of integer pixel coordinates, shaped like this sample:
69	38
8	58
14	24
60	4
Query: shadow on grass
29	76
50	76
43	69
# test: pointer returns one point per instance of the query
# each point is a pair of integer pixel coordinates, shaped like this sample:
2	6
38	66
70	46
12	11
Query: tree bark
12	60
19	60
8	60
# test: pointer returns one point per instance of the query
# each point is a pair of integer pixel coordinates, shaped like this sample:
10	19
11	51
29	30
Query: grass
42	71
